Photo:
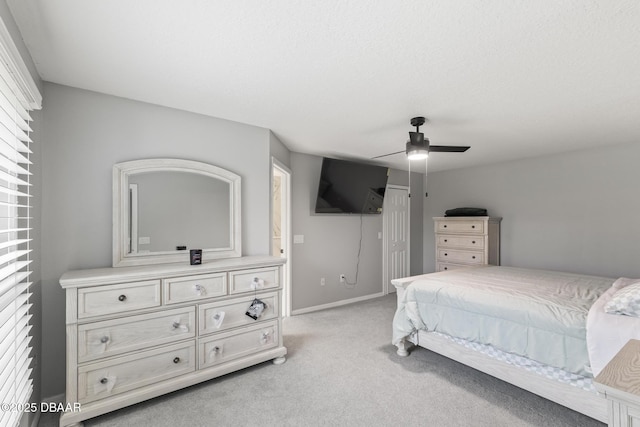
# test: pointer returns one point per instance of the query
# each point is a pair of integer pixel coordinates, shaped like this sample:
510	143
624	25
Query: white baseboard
336	304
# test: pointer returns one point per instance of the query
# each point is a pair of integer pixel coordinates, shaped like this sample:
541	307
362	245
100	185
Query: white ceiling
342	78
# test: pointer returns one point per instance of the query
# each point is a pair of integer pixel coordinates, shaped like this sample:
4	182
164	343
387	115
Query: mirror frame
121	173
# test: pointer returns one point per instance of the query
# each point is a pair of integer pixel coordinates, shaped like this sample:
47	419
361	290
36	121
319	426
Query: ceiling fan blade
390	154
448	148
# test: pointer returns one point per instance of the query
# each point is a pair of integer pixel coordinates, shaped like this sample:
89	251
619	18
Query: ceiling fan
418	147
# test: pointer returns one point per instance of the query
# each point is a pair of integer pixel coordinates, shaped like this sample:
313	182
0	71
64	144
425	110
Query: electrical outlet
322	281
342	278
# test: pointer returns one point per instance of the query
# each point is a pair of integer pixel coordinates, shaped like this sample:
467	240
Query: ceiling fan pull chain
409	179
426	166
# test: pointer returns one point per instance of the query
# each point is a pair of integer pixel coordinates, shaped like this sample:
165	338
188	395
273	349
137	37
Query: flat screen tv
348	187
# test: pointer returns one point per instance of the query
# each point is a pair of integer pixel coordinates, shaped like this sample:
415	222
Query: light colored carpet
341	370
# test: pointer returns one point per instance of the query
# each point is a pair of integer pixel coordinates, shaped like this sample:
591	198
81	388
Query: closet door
396	235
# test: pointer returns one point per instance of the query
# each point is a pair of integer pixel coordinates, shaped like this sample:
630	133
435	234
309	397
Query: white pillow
625	301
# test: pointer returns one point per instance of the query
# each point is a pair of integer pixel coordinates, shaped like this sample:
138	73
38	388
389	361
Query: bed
546	332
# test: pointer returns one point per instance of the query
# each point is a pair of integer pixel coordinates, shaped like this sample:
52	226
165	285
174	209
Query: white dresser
464	241
134	333
619	382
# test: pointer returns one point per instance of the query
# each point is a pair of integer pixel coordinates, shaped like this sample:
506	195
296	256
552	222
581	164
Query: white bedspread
608	333
537	314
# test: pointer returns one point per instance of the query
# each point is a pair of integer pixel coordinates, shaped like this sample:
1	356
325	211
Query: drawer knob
445	240
473	257
176	325
215	350
104	381
104	340
446	268
265	337
473	226
473	241
257	283
122	297
176	360
445	226
445	254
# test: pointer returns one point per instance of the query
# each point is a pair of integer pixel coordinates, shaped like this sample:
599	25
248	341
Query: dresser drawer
258	278
467	226
460	242
444	266
456	256
224	347
111	299
224	315
113	337
104	379
193	288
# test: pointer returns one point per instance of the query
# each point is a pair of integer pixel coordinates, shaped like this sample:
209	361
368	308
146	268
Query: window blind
15	248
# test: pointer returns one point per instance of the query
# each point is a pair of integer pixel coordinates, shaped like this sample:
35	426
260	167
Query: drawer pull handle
218	318
104	340
122	297
104	381
200	290
265	338
176	360
257	283
215	352
177	324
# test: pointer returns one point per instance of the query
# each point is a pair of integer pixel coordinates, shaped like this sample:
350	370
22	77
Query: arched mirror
162	208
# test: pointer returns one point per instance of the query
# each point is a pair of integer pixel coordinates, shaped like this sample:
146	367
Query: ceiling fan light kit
416	153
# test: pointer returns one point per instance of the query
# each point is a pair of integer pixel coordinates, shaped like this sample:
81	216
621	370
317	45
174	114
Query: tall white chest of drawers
134	333
465	241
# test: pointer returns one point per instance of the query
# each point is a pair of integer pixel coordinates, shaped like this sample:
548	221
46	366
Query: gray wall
331	242
574	212
86	134
279	150
36	212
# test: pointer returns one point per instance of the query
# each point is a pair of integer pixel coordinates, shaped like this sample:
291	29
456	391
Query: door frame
286	242
386	284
